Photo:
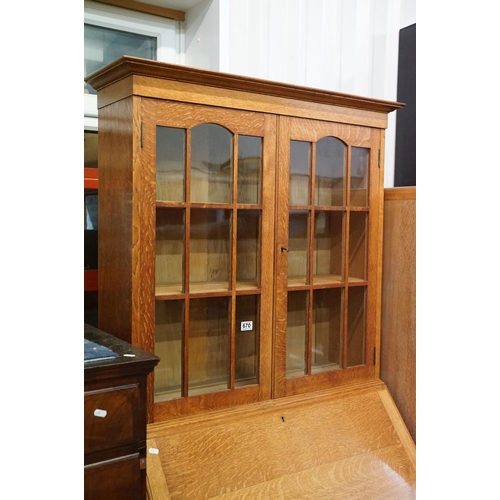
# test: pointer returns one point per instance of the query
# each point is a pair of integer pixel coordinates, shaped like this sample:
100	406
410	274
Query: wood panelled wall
398	334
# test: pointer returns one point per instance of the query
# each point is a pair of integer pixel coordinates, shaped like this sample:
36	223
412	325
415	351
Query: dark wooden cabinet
115	420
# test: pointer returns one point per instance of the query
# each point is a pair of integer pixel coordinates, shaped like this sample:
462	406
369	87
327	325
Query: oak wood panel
281	266
400	426
144	224
116	129
268	253
161	71
156	486
398	330
234	99
337	442
189	115
400	193
377	162
197	94
367	475
180	83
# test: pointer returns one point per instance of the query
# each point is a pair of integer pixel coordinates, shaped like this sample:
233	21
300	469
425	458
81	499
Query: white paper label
246	326
154	451
100	413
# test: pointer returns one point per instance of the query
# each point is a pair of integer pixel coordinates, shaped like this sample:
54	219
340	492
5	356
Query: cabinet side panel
375	248
115	161
143	223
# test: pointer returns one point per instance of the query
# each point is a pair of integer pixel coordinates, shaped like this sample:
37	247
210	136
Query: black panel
405	157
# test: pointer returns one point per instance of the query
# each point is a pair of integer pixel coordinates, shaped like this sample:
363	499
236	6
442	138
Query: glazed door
213	182
328	198
267	254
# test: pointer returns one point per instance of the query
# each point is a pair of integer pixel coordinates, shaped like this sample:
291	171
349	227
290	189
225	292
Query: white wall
347	46
202	36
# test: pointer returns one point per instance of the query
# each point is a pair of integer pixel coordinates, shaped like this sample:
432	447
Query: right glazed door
329	194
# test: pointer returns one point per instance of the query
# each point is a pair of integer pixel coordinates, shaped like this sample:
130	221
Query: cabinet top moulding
135	77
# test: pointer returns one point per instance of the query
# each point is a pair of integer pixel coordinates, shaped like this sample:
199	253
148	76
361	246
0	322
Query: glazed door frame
185	116
311	131
277	132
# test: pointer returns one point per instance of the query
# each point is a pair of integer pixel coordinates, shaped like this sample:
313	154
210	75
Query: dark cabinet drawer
111	418
118	479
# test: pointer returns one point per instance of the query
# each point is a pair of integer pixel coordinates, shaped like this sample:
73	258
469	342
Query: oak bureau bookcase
240	232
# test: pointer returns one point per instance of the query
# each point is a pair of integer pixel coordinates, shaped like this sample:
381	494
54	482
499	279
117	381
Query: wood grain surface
348	443
398	335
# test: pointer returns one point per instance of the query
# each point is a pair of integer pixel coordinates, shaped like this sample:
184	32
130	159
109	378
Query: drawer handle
100	413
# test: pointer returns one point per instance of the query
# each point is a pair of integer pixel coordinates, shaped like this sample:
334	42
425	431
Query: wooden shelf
327	279
91	178
167	290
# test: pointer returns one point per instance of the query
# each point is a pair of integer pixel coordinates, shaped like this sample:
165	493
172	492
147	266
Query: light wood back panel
398	332
336	444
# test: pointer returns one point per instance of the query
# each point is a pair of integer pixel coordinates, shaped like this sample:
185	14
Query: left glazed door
207	184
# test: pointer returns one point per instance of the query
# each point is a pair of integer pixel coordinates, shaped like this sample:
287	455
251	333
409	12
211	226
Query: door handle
285	249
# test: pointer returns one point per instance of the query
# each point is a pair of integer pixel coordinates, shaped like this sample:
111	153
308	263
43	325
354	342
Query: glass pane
209	331
358	229
249	169
359	177
169	264
328	239
298	242
209	258
211	164
169	319
104	45
246	342
170	163
248	249
330	172
327	329
356	325
90	149
296	329
300	172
